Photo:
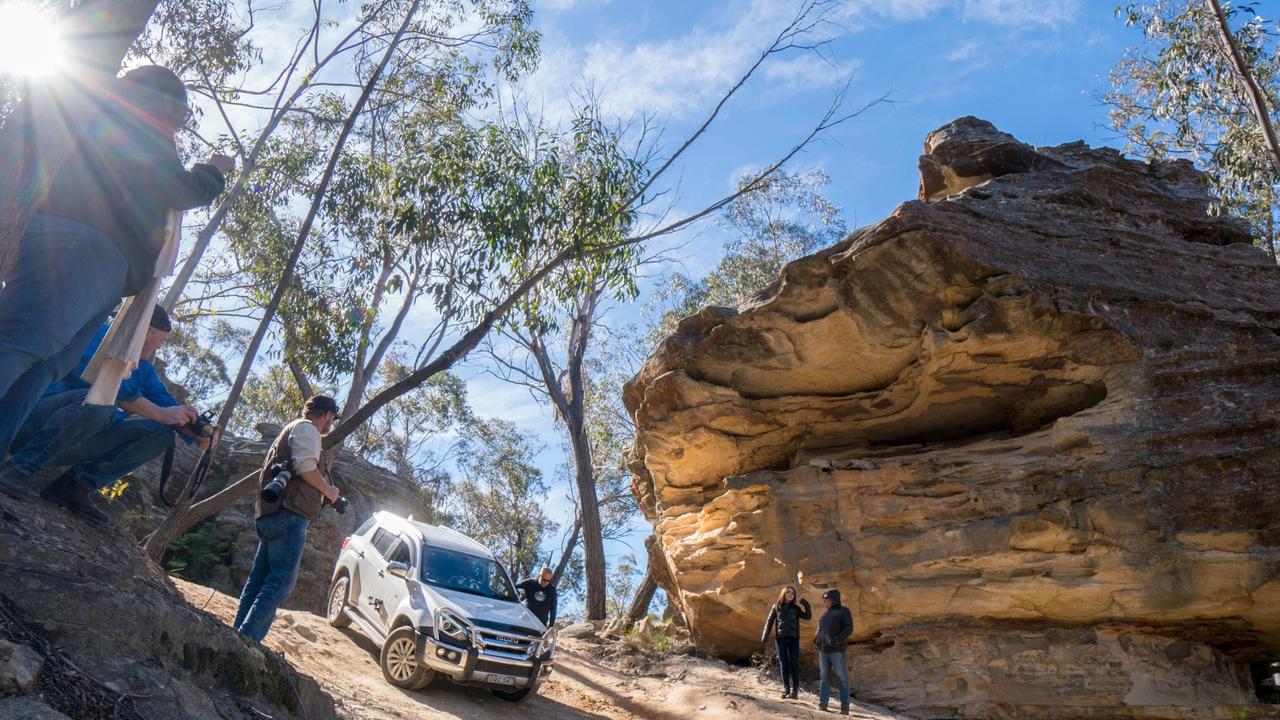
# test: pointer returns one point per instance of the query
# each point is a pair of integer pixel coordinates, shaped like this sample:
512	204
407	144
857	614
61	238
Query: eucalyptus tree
505	210
499	499
787	217
1202	89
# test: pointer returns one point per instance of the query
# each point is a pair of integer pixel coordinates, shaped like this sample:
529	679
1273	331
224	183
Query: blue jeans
788	661
281	538
832	664
67	279
99	446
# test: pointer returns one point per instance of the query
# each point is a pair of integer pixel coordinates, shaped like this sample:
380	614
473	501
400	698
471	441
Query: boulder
28	708
19	668
1027	425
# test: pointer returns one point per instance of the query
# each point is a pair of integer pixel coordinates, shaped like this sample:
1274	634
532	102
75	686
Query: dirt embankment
591	680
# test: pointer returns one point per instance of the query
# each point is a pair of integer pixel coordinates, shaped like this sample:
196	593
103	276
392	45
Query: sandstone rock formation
1027	424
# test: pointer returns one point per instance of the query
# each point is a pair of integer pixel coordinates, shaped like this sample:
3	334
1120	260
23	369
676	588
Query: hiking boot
844	711
16	484
786	693
795	694
76	498
822	708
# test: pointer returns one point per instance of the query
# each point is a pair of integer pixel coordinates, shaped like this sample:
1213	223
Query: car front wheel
399	661
336	613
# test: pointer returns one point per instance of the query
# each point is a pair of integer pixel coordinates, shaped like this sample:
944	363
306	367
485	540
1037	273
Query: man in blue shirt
100	443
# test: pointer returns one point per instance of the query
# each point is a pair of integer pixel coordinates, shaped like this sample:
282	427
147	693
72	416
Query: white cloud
1022	12
568	5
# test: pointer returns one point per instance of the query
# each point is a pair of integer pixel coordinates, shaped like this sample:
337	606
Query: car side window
382	541
400	553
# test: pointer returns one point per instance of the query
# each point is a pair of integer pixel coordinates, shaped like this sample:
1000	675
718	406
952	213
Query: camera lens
272	490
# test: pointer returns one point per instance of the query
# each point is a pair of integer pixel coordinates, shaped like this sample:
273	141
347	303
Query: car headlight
452	626
544	647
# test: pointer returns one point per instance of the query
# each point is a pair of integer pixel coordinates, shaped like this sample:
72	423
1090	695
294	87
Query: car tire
336	609
514	696
399	661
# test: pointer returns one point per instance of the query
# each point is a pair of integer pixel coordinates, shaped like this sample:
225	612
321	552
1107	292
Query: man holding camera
101	443
284	513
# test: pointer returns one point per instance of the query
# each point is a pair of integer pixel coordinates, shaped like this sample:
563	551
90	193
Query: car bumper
470	665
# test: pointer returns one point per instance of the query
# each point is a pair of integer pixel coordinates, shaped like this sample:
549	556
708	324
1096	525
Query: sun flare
30	41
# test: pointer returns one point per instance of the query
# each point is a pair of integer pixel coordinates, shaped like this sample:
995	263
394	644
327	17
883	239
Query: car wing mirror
398	569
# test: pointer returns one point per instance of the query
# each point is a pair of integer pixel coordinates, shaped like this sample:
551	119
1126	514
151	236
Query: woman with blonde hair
786	615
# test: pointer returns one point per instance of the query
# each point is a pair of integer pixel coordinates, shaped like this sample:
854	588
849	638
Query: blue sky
1032	67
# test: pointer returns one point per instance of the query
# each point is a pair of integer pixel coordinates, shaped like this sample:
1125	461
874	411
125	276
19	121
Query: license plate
502	679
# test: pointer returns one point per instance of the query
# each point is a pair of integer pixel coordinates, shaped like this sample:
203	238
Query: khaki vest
298	495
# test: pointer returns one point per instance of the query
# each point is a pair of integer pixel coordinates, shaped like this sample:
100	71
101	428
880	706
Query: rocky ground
593	679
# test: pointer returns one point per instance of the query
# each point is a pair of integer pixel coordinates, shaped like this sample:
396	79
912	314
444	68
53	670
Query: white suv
438	602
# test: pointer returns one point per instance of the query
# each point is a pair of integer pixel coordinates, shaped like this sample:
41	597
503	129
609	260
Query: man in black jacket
834	628
540	595
98	232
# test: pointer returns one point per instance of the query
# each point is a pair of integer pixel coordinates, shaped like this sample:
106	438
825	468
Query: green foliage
195	555
624	578
198	370
500	499
786	218
272	397
1178	95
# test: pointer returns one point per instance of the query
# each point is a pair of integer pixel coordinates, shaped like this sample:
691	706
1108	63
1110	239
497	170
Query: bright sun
30	44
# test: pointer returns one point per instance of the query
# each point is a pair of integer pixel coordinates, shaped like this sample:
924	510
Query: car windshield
452	570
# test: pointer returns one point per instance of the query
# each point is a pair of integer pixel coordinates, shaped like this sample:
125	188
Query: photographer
98	232
283	516
101	443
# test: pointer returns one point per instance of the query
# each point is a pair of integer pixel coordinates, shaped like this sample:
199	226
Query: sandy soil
591	680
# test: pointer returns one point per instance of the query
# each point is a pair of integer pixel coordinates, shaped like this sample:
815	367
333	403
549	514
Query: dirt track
590	681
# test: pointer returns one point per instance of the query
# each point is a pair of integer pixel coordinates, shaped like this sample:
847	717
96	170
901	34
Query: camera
280	473
202	426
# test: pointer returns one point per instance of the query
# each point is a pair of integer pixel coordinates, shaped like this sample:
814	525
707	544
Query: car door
388	590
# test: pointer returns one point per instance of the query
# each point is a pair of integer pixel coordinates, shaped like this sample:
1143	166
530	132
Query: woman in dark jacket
786	616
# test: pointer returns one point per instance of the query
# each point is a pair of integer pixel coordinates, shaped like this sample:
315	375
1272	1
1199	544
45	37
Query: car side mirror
398	569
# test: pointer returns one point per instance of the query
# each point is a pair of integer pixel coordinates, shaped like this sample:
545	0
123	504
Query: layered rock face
1028	425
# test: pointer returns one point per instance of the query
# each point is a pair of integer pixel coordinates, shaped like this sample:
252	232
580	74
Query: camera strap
166	469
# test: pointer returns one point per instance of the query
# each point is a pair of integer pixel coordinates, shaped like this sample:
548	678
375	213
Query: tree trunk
34	148
568	550
589	512
644	595
180	519
1256	98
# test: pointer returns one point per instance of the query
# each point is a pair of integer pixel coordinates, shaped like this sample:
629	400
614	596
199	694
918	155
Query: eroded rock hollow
1027	424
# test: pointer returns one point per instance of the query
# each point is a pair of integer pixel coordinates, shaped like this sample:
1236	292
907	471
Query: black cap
157	79
321	403
160	320
833	595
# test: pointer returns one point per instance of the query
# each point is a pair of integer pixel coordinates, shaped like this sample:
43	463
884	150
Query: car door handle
361	554
381	574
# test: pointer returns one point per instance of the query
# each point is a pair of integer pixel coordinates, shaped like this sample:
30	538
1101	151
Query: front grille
507	642
489	666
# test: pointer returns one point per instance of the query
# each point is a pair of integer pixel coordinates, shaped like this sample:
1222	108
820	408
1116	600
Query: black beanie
160	320
833	595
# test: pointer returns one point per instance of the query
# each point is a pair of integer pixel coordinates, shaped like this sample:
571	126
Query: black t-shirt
540	600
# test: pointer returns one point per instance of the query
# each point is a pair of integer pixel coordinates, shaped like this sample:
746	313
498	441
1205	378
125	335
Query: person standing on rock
786	615
834	628
98	232
282	525
540	595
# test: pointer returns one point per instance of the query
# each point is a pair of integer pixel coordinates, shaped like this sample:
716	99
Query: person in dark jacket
540	595
98	231
786	615
834	628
